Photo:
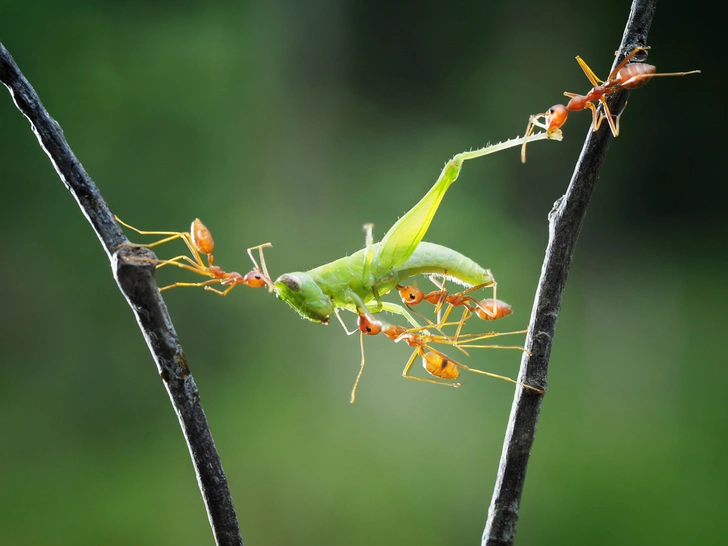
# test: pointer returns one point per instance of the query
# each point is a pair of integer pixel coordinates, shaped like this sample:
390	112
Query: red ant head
411	295
254	279
371	328
556	116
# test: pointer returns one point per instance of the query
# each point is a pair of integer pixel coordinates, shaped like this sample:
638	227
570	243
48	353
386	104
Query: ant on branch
625	76
199	241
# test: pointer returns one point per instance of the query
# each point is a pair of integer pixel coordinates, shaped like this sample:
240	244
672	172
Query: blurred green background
295	123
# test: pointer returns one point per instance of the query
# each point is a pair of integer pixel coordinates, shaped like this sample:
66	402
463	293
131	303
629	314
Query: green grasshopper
357	282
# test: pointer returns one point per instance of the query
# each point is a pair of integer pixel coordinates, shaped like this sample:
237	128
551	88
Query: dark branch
565	221
136	281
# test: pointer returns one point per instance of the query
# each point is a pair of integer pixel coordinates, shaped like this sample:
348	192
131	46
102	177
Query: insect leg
203	283
533	122
609	117
496	376
593	78
399	310
170	236
264	270
469	340
361	369
197	267
624	62
343	324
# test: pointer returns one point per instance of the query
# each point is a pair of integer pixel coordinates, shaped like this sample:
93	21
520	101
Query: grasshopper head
301	292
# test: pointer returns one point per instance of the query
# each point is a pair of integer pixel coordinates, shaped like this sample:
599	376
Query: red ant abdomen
634	75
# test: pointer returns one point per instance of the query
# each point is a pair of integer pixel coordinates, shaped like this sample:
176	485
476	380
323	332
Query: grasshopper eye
291	281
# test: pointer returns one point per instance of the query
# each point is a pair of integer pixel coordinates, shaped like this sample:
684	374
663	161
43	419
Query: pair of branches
136	281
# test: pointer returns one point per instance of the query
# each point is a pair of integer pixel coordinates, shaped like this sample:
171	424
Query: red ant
199	241
437	363
624	76
486	309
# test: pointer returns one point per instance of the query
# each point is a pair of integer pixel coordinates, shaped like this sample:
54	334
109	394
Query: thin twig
136	281
565	221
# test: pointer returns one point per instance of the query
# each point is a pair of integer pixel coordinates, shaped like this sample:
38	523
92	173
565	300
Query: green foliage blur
295	123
